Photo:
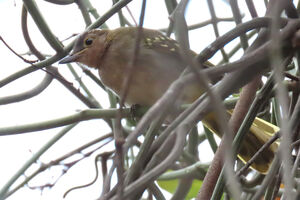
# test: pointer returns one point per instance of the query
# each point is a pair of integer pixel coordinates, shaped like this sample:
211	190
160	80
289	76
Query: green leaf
171	185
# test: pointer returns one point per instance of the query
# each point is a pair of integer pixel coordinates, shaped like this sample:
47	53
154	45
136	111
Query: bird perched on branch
157	65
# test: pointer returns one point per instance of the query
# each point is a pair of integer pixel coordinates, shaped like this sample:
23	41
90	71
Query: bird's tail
260	132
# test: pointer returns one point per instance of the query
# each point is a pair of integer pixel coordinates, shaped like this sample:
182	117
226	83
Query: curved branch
238	20
28	94
83	115
261	22
215	26
47	62
42	25
203	23
26	36
46	80
61	2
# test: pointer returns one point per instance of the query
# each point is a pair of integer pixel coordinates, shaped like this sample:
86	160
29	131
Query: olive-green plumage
157	65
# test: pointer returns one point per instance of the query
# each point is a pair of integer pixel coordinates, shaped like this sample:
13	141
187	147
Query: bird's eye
88	41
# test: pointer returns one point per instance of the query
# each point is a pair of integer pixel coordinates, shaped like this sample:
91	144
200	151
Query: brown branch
18	55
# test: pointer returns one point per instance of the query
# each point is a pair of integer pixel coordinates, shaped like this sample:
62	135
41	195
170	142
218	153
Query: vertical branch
170	5
215	26
282	95
120	14
185	183
84	11
251	8
238	19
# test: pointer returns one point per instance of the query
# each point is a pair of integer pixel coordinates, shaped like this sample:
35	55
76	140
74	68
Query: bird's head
89	48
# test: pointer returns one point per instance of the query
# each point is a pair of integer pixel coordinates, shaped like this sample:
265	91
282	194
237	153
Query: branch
78	117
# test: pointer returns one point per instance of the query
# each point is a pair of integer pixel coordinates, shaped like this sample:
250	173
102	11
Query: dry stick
265	146
292	77
18	55
104	157
122	19
131	15
202	24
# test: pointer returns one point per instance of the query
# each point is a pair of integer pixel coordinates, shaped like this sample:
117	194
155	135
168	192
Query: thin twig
18	55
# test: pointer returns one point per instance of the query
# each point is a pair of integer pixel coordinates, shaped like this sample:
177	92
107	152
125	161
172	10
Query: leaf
171	185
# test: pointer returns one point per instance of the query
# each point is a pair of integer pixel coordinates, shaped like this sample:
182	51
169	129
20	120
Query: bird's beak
69	58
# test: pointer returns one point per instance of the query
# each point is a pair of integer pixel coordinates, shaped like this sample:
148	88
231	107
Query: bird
158	64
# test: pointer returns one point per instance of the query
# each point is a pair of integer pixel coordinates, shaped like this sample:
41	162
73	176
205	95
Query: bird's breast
145	85
150	78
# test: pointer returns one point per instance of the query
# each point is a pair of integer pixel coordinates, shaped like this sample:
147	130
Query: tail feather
260	132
